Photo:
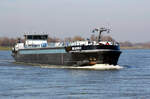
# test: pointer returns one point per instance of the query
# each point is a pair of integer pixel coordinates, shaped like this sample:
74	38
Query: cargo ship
36	49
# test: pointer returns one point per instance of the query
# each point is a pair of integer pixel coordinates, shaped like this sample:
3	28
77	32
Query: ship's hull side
78	58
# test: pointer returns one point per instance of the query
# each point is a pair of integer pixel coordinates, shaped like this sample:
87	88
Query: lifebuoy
107	43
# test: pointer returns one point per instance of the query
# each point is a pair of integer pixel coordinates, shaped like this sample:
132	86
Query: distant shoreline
5	48
134	47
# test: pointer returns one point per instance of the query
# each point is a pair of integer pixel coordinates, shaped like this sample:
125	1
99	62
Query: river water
18	81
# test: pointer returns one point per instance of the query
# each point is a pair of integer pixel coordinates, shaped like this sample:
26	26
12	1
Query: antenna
100	30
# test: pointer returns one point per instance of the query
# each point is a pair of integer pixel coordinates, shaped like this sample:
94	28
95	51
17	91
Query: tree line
9	42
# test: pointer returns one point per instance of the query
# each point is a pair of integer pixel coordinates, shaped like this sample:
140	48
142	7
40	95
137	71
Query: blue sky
129	19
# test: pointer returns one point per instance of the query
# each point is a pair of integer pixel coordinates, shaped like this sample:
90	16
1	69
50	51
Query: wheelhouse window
36	37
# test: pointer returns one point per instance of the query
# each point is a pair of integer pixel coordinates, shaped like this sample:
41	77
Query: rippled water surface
33	82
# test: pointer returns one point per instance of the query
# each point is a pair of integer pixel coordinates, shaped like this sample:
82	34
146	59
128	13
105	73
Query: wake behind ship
36	49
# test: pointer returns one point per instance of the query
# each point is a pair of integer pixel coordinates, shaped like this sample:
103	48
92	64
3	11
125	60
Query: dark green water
32	82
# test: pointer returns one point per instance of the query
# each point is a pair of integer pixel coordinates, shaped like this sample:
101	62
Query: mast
100	30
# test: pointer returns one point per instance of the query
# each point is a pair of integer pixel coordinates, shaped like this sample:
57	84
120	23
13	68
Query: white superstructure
40	41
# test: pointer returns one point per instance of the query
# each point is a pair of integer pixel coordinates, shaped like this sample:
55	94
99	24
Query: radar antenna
100	30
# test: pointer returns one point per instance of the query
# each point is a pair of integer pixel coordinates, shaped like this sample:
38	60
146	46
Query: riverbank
134	47
4	48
